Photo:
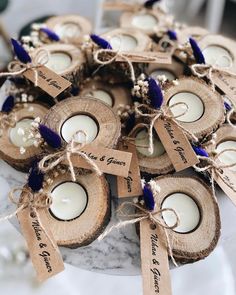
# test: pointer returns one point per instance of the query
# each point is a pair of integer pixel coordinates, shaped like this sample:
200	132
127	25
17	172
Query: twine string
215	168
171	45
155	217
165	114
129	138
228	117
114	55
72	148
16	67
31	200
207	70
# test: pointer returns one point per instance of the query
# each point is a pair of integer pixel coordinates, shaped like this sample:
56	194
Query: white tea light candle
169	75
227	157
69	201
123	42
144	21
68	30
21	131
218	56
79	123
186	209
103	96
58	62
195	106
141	139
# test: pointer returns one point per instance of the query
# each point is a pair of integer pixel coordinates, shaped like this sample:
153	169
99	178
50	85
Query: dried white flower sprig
140	89
39	35
31	134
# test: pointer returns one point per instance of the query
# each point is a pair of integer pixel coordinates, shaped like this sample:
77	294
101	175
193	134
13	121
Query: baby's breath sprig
31	134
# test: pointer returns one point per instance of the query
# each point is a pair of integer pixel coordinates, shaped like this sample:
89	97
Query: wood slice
76	70
84	229
144	43
11	153
213	115
108	122
188	31
224	133
121	95
175	68
153	165
69	22
199	243
225	43
126	20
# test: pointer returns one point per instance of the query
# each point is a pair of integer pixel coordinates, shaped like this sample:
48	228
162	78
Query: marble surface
118	253
75	281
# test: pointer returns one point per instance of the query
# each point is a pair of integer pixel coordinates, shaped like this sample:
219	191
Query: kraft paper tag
146	57
227	182
108	160
226	83
48	80
130	186
176	144
42	247
154	260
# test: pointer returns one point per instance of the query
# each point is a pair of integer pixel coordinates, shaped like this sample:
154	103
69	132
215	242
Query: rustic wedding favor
148	99
144	20
95	118
113	94
128	40
198	231
205	111
221	163
70	28
66	60
171	71
156	163
79	211
16	149
185	230
219	51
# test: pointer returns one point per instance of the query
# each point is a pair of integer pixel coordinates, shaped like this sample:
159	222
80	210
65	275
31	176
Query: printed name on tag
108	160
227	182
130	186
226	83
48	80
154	260
176	144
42	247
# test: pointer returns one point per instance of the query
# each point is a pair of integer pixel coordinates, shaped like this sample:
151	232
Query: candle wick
65	200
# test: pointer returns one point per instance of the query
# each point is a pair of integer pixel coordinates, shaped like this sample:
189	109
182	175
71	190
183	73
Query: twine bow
207	70
16	67
165	114
215	168
155	217
112	55
33	201
30	199
170	44
72	148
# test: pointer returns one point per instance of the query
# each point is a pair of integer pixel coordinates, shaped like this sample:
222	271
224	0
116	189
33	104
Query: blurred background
215	274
